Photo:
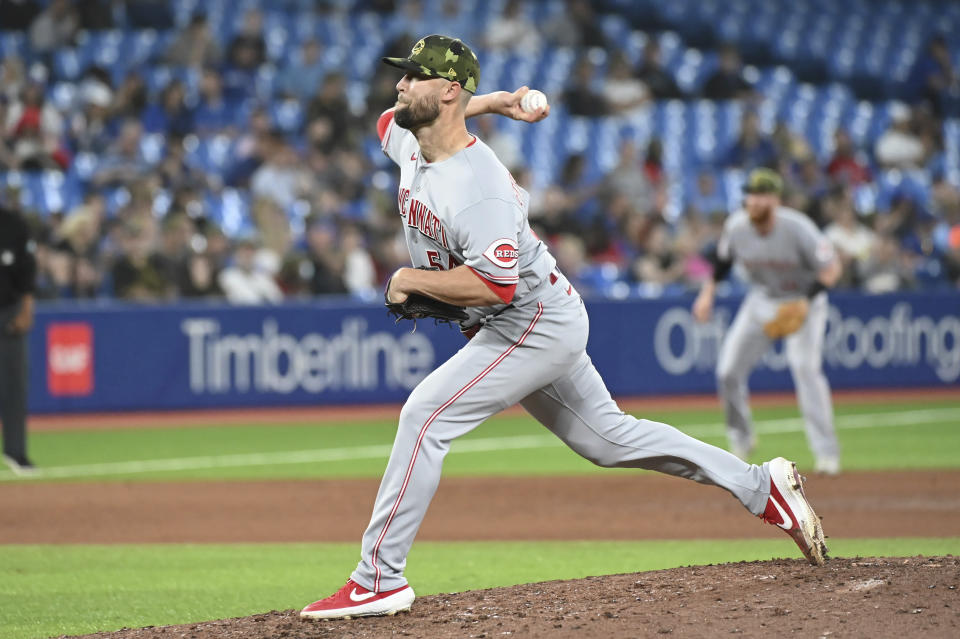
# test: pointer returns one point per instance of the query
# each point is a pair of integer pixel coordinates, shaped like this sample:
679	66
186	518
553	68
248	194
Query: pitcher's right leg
579	410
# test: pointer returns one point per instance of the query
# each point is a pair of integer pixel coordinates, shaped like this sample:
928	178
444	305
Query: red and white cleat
353	600
789	509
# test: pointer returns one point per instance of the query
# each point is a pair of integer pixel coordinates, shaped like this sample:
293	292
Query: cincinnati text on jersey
422	218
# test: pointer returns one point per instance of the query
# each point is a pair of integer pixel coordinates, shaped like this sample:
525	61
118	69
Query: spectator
808	188
198	277
243	283
707	199
55	269
579	95
252	149
8	159
282	178
899	147
885	270
752	149
512	31
176	234
572	196
195	46
213	114
659	264
303	76
123	163
629	180
622	92
727	82
273	228
331	104
170	113
854	241
359	272
324	262
933	80
54	28
791	148
93	127
130	100
12	77
847	165
247	49
35	130
139	274
652	73
653	163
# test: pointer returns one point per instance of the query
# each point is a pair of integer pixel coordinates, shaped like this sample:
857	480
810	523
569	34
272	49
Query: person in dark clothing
727	82
655	76
579	95
18	269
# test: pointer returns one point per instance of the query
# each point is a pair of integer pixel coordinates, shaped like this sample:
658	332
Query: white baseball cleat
827	466
789	509
353	600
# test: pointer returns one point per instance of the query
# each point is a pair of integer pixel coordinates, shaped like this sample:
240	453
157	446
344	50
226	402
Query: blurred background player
17	273
789	264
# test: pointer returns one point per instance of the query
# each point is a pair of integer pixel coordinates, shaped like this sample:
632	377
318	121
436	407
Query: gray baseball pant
745	343
533	354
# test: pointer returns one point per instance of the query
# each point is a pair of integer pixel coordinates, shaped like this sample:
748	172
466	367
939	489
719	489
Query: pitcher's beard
417	114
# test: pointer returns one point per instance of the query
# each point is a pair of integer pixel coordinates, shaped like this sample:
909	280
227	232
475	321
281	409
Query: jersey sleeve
815	247
488	234
394	140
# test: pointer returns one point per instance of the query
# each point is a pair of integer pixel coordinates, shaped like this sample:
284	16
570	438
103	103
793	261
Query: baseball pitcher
465	221
789	265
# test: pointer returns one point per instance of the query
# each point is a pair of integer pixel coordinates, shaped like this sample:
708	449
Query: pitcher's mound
862	597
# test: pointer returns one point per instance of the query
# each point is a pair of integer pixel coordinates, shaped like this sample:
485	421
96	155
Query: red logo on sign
504	253
70	359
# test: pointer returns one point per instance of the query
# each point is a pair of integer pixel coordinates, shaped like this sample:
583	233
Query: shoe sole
386	607
808	533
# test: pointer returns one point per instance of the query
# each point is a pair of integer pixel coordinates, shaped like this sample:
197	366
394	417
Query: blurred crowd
323	211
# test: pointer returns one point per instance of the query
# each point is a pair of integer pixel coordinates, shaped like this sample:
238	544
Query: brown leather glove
790	317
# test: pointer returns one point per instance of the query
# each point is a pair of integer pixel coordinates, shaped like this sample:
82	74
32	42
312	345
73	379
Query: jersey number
433	258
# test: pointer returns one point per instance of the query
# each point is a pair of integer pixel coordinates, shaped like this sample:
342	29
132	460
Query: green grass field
52	590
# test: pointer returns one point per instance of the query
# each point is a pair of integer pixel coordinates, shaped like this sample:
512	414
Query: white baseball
533	100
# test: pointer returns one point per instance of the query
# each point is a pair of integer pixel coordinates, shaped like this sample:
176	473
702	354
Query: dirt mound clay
862	597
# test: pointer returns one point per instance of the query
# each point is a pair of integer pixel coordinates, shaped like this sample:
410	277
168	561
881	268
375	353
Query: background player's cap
438	56
763	181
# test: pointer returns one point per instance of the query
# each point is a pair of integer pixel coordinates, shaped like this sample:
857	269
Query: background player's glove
418	306
790	317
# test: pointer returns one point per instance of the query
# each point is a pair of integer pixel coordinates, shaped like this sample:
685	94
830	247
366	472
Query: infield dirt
863	597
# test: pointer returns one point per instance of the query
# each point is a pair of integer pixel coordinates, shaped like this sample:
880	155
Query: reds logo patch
503	253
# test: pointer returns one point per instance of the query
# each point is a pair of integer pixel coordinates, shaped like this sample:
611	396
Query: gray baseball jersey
467	210
782	264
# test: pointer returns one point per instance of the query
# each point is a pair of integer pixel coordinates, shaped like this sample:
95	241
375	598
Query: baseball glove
418	306
790	317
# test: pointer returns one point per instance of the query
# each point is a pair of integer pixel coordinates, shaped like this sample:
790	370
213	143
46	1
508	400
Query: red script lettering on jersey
503	253
420	217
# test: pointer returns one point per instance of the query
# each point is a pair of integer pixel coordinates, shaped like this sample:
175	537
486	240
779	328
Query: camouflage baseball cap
438	56
763	181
